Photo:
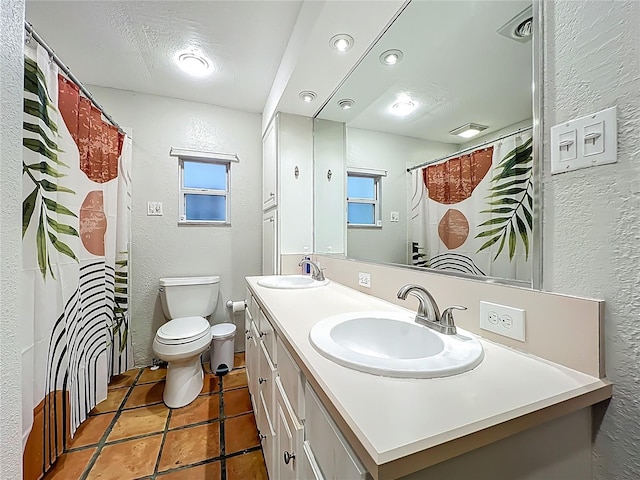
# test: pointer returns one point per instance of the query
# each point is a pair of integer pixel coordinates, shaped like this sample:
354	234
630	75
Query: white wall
160	247
11	74
592	217
394	153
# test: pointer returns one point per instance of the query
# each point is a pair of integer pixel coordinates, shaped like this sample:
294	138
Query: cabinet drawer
266	378
291	378
288	448
331	451
252	305
268	336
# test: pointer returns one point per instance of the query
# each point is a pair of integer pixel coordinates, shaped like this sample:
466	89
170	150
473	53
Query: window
204	187
363	197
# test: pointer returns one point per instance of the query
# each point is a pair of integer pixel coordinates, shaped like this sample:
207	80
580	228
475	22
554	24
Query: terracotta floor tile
112	403
235	379
240	433
139	421
200	410
209	471
124	380
127	460
190	445
249	466
238	360
147	394
70	466
237	402
211	384
149	375
91	430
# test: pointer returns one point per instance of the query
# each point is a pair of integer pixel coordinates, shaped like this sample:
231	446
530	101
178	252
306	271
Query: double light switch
584	142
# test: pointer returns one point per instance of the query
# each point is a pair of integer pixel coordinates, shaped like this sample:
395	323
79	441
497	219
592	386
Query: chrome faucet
428	313
316	273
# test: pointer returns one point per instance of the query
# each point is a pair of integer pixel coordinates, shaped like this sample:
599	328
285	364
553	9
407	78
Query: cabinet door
266	378
267	435
270	264
270	166
252	359
308	468
268	337
288	438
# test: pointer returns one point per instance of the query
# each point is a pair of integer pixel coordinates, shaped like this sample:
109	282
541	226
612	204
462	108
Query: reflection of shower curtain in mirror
75	229
473	213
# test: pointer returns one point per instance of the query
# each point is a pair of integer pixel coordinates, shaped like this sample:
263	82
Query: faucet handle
447	315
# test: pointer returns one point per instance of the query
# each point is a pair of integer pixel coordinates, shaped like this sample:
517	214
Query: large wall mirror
426	154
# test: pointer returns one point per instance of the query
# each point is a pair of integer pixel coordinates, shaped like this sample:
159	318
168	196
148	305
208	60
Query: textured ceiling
130	45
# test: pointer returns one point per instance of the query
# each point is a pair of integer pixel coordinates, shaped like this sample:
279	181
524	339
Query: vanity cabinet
298	437
287	189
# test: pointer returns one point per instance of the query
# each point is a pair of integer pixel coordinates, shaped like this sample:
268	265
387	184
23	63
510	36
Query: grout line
223	450
164	439
106	433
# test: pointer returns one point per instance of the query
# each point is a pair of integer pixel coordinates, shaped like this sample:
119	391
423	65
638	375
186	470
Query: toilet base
184	382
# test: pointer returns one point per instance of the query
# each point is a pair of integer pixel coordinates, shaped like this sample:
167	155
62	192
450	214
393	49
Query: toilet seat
183	330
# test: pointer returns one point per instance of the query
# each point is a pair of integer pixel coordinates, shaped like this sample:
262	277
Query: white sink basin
393	345
291	281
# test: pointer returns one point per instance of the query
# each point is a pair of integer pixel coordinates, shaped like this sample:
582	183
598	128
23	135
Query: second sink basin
392	344
291	282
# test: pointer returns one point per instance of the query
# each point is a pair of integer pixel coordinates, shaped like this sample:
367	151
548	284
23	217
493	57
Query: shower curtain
76	230
473	213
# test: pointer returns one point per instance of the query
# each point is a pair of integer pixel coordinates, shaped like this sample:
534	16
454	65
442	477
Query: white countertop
392	418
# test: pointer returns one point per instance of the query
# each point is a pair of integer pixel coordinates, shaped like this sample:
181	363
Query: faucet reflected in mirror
428	313
316	271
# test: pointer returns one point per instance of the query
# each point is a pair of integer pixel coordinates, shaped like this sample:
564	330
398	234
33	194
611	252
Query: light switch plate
503	320
395	217
585	142
154	208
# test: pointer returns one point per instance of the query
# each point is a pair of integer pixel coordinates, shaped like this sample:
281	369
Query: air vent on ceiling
520	27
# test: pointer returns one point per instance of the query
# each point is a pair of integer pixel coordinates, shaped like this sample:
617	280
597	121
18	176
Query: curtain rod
33	34
451	155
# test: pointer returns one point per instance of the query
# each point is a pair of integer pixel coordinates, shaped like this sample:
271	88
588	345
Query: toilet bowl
186	301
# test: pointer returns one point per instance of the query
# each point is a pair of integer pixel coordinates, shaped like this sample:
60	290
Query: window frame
207	158
377	176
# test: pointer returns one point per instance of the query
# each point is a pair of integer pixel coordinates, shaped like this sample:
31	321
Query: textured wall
11	35
160	247
592	216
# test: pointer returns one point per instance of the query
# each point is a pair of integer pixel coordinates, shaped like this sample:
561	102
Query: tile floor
133	435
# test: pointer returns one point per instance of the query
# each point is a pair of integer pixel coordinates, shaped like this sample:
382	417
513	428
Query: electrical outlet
503	320
364	279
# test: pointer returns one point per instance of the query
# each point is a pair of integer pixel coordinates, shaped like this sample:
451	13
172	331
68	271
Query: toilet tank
189	296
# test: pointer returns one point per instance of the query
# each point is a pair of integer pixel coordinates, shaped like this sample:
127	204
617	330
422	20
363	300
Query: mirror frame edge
538	139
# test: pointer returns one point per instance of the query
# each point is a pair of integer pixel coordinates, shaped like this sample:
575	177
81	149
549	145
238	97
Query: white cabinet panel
270	265
289	438
308	469
292	380
332	453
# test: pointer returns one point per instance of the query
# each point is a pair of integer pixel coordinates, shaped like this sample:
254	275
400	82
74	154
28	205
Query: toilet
186	301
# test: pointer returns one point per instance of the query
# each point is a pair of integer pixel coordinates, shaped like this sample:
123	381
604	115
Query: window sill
378	227
203	222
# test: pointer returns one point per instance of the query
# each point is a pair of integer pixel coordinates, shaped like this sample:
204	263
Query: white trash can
222	335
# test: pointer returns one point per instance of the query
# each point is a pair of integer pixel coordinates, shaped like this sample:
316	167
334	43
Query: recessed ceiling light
520	27
469	130
193	63
307	96
346	103
391	57
403	107
341	42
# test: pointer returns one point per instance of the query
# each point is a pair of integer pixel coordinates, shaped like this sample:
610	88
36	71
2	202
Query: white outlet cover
364	279
503	320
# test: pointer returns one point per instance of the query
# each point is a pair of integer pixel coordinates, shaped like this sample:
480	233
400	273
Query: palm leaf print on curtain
75	233
473	213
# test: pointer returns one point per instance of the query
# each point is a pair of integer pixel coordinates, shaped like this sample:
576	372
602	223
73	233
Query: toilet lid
223	330
182	330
